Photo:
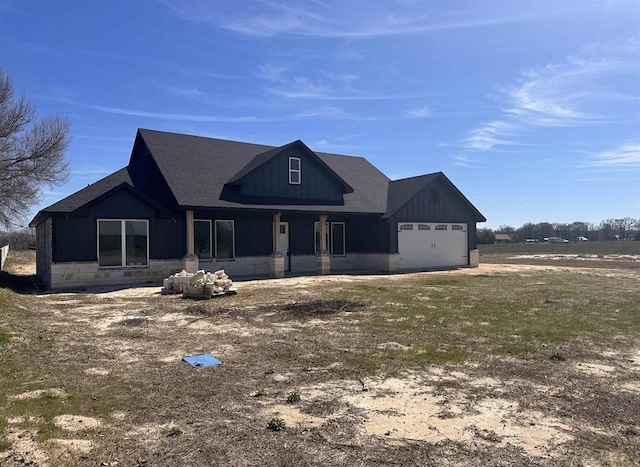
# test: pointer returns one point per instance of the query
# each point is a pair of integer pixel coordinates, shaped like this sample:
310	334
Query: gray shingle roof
401	191
85	195
196	168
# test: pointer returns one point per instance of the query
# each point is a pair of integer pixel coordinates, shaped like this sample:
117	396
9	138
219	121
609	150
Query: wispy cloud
489	135
282	82
90	172
418	112
190	92
625	155
320	113
579	91
179	117
462	160
347	21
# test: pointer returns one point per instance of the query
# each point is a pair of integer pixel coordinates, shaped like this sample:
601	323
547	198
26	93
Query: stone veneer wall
370	262
44	248
86	274
241	266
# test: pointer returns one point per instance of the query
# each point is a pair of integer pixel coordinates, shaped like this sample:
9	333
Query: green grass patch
5	337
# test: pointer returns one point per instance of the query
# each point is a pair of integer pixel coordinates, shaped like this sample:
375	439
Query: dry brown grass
458	367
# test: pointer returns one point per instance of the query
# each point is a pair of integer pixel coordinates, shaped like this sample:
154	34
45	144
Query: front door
284	244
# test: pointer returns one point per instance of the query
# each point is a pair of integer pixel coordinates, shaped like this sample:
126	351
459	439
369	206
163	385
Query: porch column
276	232
190	260
190	244
323	259
276	261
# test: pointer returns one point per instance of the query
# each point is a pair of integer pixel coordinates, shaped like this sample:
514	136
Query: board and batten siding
254	234
74	238
271	180
447	208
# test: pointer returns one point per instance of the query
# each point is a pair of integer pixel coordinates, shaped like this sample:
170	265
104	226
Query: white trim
295	171
233	240
123	244
210	238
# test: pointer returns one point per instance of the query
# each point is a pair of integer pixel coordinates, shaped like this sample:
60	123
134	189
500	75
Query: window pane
136	243
202	239
294	164
109	243
294	177
224	239
337	239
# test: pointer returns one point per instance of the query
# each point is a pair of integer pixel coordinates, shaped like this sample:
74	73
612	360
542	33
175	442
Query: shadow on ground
22	284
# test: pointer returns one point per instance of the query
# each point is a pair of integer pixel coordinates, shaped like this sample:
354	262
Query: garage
432	245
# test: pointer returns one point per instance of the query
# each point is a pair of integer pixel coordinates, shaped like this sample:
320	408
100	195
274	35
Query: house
190	202
506	238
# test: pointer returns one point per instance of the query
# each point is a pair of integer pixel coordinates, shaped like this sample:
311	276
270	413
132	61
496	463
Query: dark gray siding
271	181
446	206
435	203
75	237
471	236
253	232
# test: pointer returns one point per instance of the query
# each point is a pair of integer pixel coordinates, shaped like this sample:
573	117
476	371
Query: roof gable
93	194
294	149
266	179
404	192
197	170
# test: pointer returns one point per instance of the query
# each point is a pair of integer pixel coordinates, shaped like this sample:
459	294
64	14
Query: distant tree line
18	239
626	228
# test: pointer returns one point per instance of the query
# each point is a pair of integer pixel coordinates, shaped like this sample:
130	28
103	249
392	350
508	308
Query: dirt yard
506	364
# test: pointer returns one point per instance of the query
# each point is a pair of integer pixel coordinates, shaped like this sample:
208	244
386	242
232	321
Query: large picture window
224	240
123	243
202	238
334	238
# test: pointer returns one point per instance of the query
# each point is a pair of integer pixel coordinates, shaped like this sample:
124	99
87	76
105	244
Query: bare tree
32	153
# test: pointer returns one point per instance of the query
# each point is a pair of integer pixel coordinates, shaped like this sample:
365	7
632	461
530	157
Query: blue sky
532	108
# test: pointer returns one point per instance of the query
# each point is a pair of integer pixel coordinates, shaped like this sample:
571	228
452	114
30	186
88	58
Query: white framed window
334	237
316	236
224	239
441	227
457	227
123	243
202	238
295	174
337	239
406	226
424	227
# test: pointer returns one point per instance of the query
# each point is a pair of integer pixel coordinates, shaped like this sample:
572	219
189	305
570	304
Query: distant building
506	238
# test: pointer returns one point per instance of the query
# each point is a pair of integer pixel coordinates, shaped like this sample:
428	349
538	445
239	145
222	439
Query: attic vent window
294	171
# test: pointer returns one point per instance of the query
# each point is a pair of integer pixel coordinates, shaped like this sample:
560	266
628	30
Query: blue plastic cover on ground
202	360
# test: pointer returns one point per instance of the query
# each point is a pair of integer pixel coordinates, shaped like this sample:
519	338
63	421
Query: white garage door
424	245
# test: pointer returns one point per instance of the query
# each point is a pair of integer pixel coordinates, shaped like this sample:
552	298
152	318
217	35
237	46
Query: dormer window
294	171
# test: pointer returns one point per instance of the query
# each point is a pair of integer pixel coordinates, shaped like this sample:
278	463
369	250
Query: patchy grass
615	254
116	357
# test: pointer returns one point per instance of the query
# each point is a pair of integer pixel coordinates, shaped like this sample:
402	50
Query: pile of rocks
199	285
